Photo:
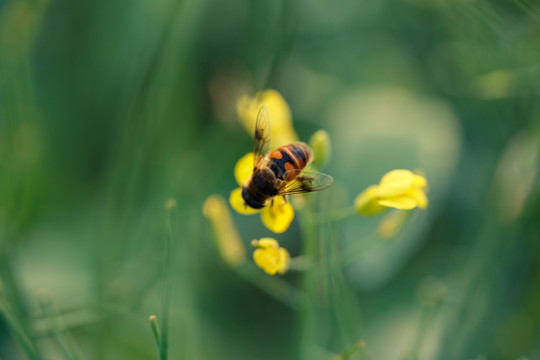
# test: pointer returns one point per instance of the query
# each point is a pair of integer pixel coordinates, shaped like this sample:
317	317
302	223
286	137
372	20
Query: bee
279	172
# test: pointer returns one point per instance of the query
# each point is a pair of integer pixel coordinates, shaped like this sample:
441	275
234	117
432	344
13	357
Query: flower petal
419	181
284	261
270	257
277	216
267	259
237	203
395	182
265	242
243	168
399	202
419	196
366	203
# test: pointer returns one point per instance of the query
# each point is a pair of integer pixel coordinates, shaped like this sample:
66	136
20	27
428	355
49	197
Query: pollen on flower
270	257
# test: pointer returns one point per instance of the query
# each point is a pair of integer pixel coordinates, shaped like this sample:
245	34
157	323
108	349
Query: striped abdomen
289	157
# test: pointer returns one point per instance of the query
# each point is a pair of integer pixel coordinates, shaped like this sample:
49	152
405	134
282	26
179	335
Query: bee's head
250	200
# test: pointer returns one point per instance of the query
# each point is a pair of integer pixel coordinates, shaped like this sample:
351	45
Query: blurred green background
108	109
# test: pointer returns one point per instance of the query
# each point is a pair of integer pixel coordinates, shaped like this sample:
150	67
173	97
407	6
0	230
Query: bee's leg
272	202
285	198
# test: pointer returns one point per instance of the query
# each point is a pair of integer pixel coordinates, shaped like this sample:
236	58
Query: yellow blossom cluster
276	216
399	189
278	213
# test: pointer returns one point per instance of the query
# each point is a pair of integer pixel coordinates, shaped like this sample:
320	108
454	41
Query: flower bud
321	146
392	223
228	241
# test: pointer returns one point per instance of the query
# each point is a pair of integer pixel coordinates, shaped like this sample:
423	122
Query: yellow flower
227	238
248	107
270	257
366	203
400	189
278	213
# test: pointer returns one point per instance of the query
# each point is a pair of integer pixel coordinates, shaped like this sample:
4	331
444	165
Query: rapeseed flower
400	189
248	107
270	257
278	213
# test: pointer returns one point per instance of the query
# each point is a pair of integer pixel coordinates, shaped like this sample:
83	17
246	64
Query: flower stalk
155	329
163	347
226	235
19	332
16	326
57	327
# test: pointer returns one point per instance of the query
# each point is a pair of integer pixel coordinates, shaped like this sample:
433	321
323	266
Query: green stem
334	215
308	317
273	286
350	351
18	331
355	250
58	329
342	300
11	292
155	329
288	27
426	316
164	343
327	301
12	309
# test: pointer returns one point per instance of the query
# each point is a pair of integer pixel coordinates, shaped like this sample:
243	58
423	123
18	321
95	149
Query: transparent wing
305	181
263	136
